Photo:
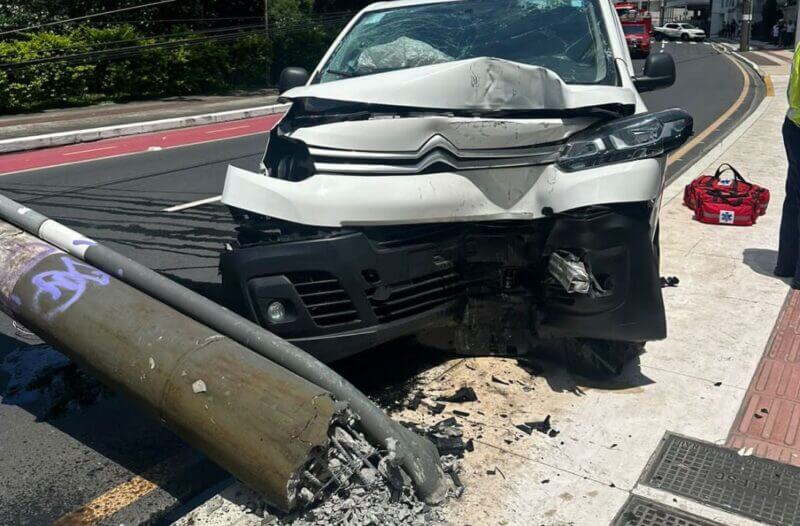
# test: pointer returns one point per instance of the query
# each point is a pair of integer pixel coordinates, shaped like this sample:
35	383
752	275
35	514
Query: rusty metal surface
257	420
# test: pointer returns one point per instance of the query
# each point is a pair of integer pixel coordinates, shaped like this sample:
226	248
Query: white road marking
228	129
88	151
193	204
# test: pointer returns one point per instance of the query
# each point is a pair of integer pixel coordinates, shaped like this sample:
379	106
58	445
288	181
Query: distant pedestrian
733	28
788	265
776	34
790	29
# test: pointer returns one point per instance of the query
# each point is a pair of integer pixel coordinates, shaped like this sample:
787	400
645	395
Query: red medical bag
726	198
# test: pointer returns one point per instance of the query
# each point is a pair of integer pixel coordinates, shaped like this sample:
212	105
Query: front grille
417	296
324	298
436	155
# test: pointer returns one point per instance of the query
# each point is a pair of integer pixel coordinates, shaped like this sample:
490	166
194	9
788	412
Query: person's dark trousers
789	247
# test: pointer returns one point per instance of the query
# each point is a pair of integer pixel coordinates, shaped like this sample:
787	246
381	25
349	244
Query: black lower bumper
346	292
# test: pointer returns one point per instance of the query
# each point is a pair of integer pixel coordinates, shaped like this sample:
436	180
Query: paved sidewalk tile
769	420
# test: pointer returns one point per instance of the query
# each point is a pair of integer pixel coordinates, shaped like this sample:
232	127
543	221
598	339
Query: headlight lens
288	159
626	139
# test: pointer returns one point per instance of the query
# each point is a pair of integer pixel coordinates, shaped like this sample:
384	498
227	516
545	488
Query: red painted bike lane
102	149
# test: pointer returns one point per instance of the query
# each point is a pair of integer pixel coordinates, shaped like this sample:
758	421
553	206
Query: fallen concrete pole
259	421
418	456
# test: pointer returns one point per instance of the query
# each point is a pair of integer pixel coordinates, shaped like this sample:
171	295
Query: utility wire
104	13
129	51
101	43
93	47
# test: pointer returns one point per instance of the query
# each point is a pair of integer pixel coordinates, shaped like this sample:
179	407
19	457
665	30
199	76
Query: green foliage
207	67
302	48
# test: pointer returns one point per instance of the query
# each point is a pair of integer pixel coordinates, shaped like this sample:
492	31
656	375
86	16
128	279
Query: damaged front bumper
347	291
525	193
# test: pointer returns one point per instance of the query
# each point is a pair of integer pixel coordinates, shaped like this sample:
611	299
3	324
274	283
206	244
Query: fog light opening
276	312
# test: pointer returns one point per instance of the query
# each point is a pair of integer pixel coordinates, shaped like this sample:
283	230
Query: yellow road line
126	493
697	139
770	86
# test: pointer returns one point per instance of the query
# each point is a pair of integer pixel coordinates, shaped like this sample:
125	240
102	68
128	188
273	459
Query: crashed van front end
482	205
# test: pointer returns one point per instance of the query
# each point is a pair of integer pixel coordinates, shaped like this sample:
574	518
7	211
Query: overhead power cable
129	51
86	17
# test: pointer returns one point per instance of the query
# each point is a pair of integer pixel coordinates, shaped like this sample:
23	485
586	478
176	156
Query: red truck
638	38
638	27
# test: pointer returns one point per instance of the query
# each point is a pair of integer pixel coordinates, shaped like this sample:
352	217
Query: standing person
788	265
733	28
776	33
790	34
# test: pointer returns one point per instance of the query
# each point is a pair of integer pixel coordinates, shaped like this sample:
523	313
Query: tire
685	37
600	359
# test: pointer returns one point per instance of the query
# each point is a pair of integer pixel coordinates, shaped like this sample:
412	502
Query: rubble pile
356	484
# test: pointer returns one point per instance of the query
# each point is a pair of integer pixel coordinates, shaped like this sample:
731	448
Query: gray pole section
254	418
796	24
415	454
747	20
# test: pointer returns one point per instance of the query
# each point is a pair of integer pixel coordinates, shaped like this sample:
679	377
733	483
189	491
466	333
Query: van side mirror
659	72
292	78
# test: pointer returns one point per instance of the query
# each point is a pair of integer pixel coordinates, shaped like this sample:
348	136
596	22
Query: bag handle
724	167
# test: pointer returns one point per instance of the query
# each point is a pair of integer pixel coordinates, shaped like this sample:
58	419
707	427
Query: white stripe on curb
94	134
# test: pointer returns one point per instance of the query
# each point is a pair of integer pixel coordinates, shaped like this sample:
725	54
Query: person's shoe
783	273
795	284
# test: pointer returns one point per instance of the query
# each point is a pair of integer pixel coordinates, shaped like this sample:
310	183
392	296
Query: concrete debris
437	409
464	394
355	484
669	281
447	436
543	427
199	386
499	380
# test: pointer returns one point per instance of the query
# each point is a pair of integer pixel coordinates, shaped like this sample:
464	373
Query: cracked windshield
567	37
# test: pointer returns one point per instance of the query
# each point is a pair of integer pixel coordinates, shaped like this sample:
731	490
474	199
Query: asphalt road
53	463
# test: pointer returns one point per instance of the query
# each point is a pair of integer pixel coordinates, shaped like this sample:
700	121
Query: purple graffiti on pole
65	287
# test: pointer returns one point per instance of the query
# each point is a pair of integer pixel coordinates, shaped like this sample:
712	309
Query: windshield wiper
347	74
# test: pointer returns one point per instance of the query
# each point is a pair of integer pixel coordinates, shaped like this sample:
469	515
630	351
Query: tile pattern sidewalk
769	419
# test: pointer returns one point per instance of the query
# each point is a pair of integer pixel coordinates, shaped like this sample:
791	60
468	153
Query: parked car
680	30
637	37
479	174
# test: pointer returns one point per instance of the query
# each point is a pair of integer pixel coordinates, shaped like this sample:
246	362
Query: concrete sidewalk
113	114
693	383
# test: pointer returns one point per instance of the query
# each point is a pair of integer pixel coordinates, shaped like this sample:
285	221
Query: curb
675	187
731	48
93	134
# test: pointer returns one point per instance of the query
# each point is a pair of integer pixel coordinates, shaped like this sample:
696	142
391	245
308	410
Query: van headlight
288	159
626	139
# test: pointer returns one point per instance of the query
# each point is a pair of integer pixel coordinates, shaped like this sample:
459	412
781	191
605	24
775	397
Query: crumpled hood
480	84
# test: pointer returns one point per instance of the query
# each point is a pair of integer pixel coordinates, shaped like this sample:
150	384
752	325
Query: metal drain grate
753	487
639	511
